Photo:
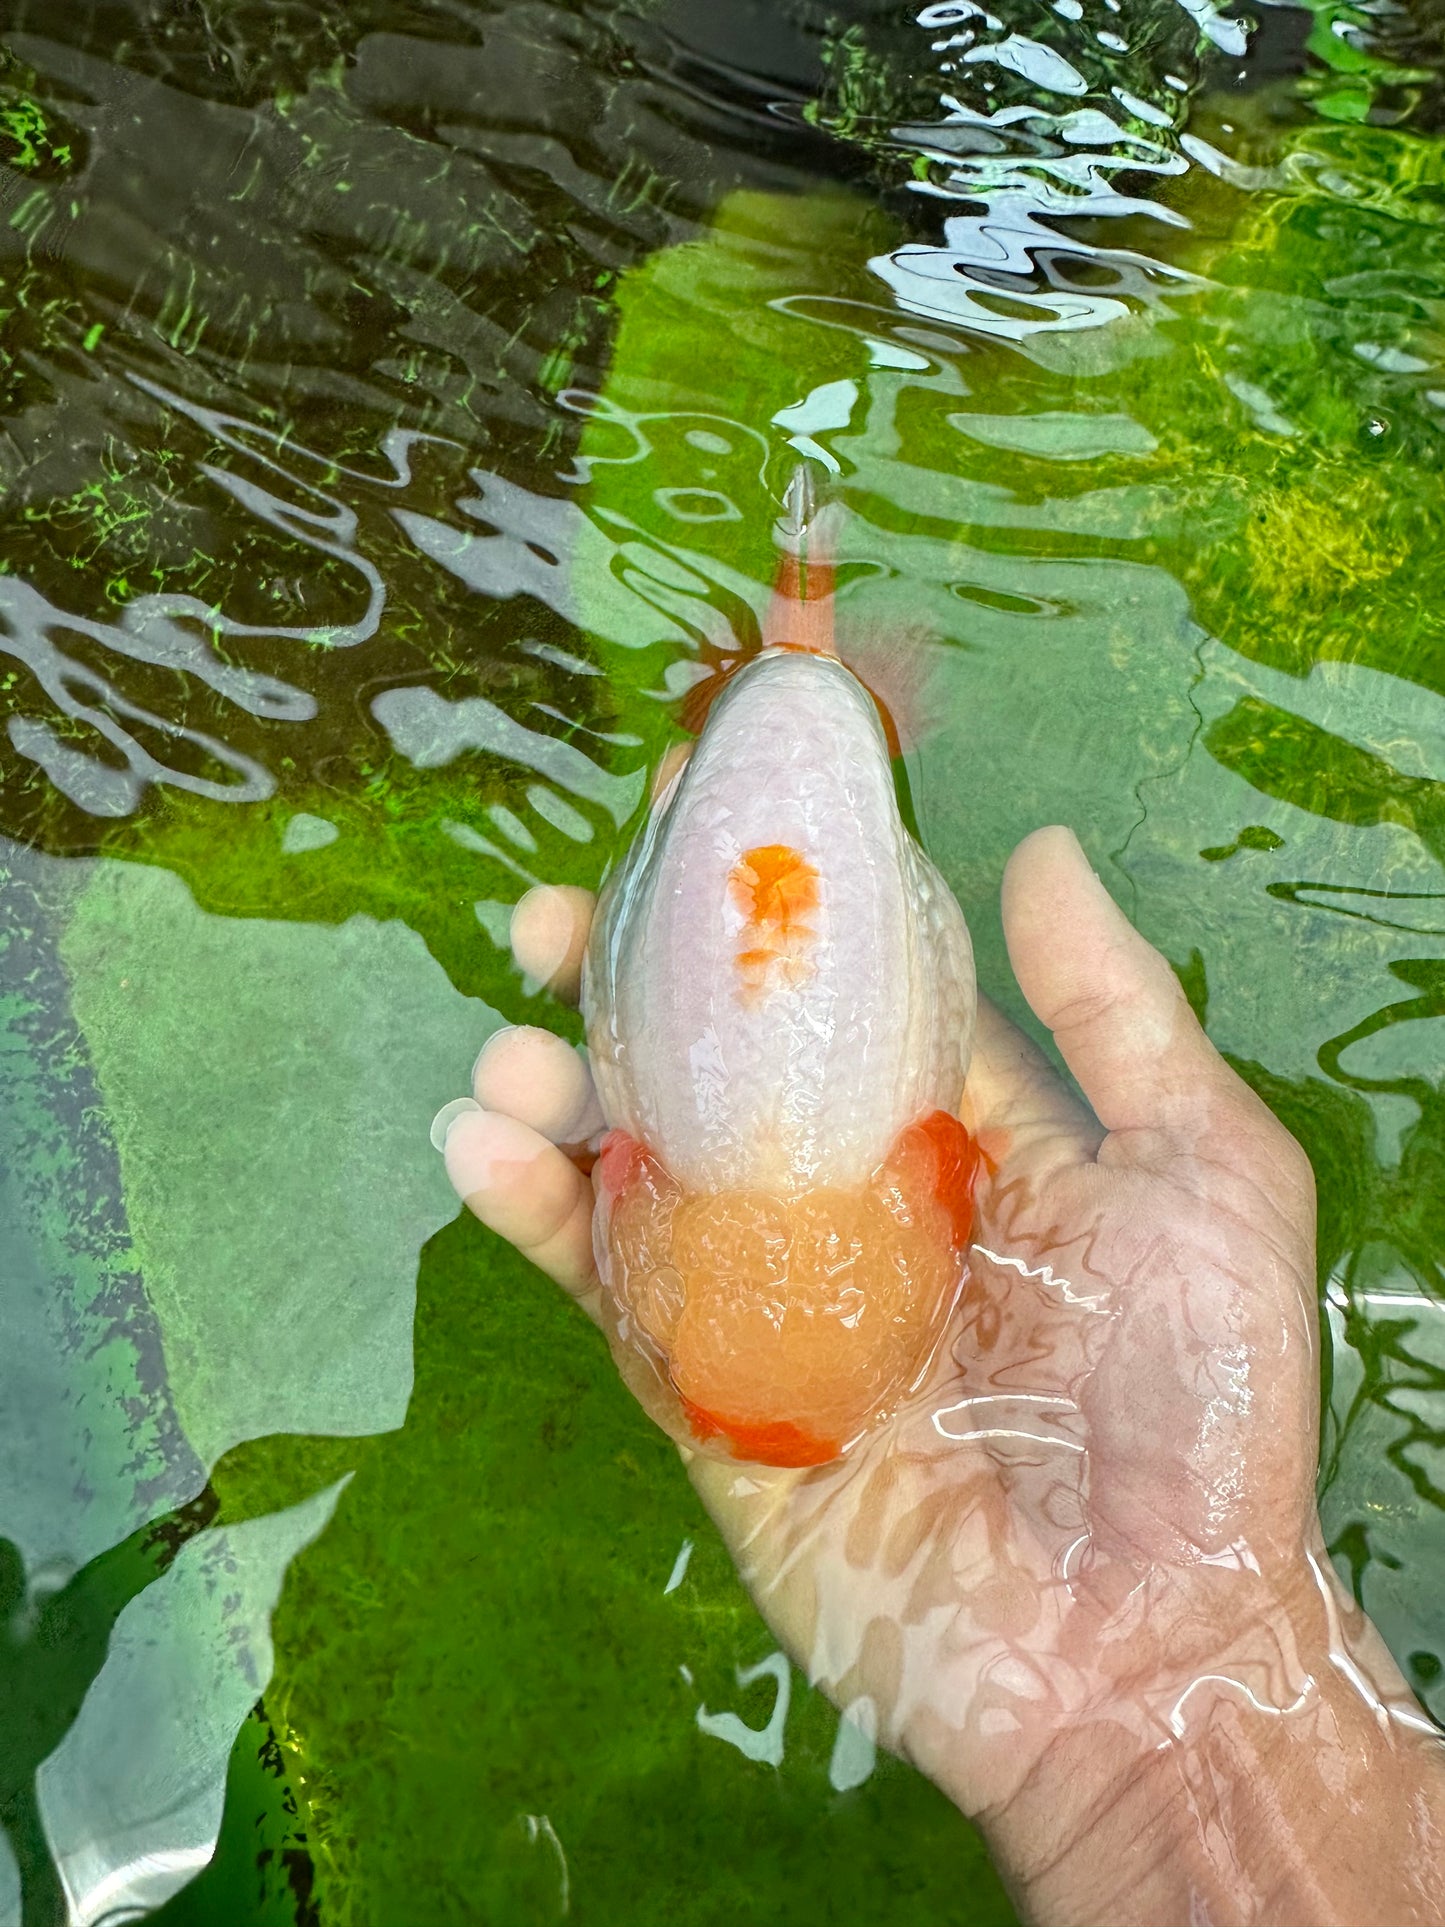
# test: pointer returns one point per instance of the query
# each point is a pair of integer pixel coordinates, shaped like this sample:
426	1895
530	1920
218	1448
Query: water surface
396	402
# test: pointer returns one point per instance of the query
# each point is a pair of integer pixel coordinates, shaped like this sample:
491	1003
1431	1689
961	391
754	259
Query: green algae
490	1607
261	1874
785	279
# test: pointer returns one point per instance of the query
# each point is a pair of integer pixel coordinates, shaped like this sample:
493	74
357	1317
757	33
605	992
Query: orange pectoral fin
620	1161
957	1158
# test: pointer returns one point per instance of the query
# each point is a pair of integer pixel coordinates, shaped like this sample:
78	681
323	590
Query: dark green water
395	400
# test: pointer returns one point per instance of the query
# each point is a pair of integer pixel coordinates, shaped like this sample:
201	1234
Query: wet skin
1079	1578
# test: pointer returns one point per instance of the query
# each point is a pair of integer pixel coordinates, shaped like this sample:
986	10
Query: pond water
396	402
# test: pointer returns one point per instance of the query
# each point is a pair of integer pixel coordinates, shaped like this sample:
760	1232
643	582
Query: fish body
779	995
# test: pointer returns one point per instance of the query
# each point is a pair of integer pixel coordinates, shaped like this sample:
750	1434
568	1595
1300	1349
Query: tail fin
800	614
892	667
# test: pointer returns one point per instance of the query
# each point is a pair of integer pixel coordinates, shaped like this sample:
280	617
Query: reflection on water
395	402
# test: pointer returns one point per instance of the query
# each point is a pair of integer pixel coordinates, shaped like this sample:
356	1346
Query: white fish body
779	996
806	1083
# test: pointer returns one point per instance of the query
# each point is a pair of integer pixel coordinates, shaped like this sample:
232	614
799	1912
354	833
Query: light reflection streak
1386	1712
141	1884
1069	1551
1026	162
998	1432
1045	1275
1176	1712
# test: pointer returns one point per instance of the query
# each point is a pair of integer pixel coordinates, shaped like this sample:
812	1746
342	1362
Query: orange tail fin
800	614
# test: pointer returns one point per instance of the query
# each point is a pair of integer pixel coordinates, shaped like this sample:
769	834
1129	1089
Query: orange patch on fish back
776	888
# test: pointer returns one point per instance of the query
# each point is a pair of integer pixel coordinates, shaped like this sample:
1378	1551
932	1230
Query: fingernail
447	1116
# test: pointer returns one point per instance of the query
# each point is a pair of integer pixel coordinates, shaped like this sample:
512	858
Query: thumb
1117	1012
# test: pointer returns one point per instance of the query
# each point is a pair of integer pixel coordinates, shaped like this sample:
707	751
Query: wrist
1222	1772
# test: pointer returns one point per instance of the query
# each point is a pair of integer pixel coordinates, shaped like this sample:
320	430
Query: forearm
1316	1799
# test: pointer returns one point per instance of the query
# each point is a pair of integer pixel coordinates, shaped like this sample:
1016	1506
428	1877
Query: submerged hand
1087	1548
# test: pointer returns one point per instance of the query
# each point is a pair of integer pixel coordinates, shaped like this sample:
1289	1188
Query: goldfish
779	998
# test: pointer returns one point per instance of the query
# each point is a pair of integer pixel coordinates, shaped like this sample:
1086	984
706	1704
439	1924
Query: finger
539	1079
550	927
1015	1103
1116	1009
525	1190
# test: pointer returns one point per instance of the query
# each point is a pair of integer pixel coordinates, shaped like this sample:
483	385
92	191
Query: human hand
1096	1516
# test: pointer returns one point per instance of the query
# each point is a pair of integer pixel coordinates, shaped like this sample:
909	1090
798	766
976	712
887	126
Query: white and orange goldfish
779	995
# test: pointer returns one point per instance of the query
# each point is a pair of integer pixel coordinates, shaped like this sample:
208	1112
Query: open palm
1105	1486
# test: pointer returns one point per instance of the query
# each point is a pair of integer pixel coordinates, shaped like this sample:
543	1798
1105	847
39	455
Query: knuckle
1087	1007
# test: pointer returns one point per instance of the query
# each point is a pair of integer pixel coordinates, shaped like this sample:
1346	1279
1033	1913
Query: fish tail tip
800	614
800	504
